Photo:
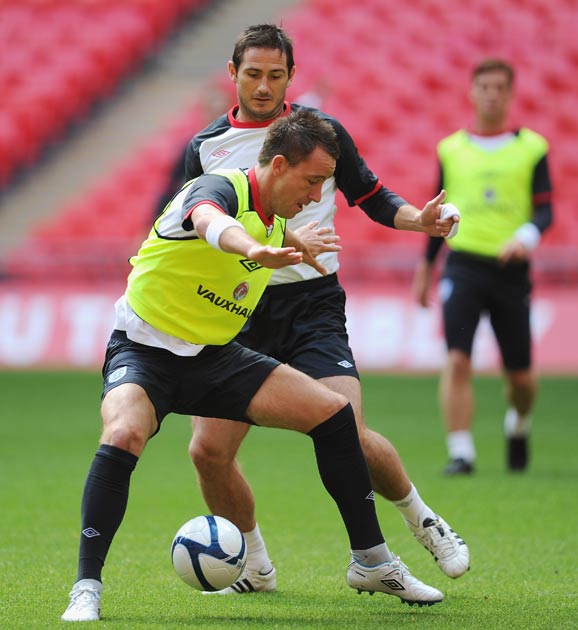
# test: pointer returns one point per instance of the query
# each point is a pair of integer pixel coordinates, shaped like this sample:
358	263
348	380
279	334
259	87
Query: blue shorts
303	324
219	382
472	286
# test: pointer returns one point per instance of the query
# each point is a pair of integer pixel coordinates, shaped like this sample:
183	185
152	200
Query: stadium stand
396	74
60	57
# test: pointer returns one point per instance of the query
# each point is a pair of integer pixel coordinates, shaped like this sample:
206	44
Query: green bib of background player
492	189
178	278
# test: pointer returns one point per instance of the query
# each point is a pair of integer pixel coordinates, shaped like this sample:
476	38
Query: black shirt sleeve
215	189
359	185
193	166
542	196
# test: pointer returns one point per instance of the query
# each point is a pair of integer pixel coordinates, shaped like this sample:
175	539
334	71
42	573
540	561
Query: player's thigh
216	438
289	399
510	319
462	305
128	418
512	330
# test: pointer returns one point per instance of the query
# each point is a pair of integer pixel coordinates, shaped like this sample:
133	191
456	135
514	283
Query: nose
315	194
263	85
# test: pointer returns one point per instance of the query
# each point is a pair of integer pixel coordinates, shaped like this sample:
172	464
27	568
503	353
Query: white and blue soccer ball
209	553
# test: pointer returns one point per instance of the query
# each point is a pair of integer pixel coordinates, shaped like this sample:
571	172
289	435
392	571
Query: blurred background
99	97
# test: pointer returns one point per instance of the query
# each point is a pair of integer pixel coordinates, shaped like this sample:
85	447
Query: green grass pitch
521	528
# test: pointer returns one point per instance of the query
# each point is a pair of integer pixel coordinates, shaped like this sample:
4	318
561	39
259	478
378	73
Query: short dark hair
492	64
297	135
263	36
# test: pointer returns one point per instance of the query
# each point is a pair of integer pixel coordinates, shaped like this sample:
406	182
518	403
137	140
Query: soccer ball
209	553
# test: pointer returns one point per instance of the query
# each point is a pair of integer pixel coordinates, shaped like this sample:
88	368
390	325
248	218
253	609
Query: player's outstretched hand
313	240
439	219
274	257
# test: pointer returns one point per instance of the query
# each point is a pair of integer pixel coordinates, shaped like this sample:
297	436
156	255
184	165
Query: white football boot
392	578
448	549
84	601
251	581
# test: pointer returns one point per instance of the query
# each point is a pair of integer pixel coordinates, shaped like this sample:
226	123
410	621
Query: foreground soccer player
196	279
301	319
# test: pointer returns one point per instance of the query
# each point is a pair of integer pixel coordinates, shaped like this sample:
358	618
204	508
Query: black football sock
104	502
345	475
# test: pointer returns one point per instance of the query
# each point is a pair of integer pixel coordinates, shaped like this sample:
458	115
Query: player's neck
489	127
243	115
261	185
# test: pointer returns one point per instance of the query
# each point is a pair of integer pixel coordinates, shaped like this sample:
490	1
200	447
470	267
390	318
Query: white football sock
413	509
461	445
373	556
257	556
516	425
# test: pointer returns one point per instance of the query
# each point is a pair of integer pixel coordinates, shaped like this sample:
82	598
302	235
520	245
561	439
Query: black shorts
220	381
471	286
303	324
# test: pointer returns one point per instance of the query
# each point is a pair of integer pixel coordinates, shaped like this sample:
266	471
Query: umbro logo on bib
250	265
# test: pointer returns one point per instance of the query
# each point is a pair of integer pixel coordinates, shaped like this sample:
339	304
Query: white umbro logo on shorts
116	375
345	364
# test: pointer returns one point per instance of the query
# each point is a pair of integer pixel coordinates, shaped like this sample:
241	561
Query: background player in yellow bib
499	180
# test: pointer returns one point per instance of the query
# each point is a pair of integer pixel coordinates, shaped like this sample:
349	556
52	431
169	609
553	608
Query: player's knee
207	454
127	437
522	381
459	365
339	401
367	438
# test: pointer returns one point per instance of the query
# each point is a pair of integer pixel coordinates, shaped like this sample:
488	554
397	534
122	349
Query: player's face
490	95
296	186
262	80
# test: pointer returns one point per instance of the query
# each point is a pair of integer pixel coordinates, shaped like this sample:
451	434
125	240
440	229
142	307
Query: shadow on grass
279	610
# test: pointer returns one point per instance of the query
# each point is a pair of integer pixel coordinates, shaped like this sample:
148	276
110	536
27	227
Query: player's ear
232	71
291	75
279	164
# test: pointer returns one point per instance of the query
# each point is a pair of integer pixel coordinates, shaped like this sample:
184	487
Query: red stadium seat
59	58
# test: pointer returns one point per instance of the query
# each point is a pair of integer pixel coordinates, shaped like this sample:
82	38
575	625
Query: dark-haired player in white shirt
301	318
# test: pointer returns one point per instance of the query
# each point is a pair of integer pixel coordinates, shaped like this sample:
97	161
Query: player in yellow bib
499	180
212	250
222	291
